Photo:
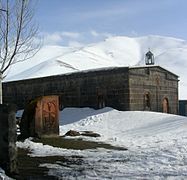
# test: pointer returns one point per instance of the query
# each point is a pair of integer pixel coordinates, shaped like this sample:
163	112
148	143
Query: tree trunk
1	88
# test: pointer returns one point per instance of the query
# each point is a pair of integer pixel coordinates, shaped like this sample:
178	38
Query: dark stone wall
121	88
8	150
158	83
104	87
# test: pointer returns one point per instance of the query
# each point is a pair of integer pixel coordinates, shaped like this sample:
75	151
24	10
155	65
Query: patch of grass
77	144
29	166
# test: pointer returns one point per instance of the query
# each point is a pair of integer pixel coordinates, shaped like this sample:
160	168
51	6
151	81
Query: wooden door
165	106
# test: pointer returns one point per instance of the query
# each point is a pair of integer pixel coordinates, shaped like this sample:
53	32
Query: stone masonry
40	118
124	88
8	150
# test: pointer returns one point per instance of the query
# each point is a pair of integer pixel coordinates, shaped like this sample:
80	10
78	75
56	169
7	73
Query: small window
147	102
147	71
166	75
101	101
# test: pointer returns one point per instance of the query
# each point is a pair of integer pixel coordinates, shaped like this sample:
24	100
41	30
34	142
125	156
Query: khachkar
8	137
41	118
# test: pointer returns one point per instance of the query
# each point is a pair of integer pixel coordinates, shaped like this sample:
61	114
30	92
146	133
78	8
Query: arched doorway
165	105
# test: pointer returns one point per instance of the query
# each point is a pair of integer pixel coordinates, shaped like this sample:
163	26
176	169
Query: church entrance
165	105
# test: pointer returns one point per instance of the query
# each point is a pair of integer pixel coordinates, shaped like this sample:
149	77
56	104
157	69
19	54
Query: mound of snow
122	127
156	145
169	53
3	175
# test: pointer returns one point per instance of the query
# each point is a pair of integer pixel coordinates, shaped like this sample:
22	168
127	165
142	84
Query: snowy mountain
169	53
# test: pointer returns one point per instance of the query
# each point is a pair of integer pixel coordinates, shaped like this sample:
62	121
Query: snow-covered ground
156	145
156	142
3	176
117	51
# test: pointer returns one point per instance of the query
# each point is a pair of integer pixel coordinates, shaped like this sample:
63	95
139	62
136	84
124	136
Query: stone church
141	88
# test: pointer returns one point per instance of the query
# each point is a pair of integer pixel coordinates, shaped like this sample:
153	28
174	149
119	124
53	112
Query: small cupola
149	58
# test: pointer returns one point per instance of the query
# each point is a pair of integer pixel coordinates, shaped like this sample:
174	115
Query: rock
83	133
40	118
72	133
90	134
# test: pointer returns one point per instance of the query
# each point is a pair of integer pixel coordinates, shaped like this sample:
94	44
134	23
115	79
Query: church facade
146	88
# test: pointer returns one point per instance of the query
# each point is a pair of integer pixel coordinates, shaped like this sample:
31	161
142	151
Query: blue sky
71	22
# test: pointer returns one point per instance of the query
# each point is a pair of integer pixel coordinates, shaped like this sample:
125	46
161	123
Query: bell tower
149	58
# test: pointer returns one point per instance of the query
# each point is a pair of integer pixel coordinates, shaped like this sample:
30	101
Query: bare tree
17	34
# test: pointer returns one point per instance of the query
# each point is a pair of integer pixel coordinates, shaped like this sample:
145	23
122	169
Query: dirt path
29	167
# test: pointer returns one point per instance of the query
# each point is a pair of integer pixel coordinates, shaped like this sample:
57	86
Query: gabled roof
149	53
153	66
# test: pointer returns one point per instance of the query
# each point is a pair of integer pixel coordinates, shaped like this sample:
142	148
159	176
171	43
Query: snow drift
124	127
156	145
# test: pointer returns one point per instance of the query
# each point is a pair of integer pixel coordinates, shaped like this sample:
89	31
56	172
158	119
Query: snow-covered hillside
113	125
156	145
170	53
